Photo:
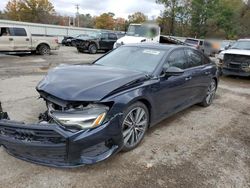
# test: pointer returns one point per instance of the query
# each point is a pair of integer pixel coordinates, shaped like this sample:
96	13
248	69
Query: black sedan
94	111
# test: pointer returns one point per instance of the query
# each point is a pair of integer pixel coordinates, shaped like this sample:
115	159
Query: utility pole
77	15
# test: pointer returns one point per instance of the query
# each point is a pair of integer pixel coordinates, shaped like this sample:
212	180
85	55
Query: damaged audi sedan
94	111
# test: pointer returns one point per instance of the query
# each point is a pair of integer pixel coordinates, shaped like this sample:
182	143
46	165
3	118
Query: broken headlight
87	117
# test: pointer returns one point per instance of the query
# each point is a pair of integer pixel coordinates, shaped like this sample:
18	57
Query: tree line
195	18
206	18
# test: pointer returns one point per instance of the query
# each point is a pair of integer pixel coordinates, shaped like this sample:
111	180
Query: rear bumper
52	145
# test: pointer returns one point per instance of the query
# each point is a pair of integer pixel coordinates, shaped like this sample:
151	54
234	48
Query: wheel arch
43	43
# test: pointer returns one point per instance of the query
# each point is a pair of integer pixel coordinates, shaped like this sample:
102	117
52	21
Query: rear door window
21	32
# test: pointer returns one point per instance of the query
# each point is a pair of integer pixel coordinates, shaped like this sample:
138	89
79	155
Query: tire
211	90
134	125
92	49
43	49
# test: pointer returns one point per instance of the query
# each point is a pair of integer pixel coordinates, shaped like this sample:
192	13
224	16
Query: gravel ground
199	147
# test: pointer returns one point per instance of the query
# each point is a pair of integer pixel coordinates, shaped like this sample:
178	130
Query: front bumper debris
53	145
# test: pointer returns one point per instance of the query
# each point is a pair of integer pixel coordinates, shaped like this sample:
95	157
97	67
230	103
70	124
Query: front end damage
234	64
60	139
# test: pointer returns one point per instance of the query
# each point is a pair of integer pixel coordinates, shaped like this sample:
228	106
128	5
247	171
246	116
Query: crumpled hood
85	82
130	40
236	52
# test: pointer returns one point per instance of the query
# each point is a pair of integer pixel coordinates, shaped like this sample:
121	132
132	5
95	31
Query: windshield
142	31
133	58
244	45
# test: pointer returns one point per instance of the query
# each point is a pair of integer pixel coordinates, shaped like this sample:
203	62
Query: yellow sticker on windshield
153	52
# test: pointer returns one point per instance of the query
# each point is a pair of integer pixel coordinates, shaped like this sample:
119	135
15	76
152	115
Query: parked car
236	59
94	111
96	41
19	39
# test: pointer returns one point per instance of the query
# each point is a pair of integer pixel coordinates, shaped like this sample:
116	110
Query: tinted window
177	59
19	32
194	58
112	36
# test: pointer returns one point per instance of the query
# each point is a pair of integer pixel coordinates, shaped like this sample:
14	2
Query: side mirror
173	71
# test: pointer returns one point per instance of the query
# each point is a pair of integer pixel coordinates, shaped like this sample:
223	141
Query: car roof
156	46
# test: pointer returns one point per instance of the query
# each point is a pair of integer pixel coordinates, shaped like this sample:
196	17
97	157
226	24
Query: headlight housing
87	117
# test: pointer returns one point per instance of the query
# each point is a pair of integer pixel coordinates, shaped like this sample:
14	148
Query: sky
121	8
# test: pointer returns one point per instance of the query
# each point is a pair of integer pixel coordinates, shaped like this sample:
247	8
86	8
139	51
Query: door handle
188	78
10	39
27	39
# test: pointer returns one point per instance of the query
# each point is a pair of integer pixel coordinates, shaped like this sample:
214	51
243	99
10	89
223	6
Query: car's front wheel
92	49
211	90
134	125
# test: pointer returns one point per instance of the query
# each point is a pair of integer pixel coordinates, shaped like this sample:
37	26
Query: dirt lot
199	147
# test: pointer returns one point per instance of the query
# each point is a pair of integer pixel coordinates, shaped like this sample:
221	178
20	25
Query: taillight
56	40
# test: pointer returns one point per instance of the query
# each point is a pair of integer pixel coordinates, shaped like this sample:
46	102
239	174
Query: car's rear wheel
92	49
134	125
43	49
207	101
